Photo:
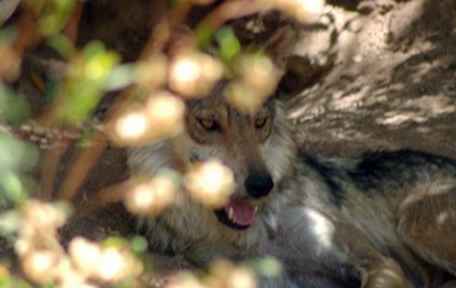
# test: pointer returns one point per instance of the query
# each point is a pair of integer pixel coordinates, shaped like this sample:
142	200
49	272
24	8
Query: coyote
384	218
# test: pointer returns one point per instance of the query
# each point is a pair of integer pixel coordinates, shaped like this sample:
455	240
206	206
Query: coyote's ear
280	45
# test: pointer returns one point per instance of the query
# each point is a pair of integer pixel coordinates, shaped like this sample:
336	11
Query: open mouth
237	214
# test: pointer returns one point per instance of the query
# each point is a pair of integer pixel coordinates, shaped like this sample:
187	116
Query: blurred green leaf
204	33
10	222
115	242
128	283
16	155
120	77
267	266
62	45
36	5
229	45
13	108
87	80
11	188
7	35
138	244
13	282
55	15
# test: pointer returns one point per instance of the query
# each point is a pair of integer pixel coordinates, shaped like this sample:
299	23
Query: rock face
381	80
368	75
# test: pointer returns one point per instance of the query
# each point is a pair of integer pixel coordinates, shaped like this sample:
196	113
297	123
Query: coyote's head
256	147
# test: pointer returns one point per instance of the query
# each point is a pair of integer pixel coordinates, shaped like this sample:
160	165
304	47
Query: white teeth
231	213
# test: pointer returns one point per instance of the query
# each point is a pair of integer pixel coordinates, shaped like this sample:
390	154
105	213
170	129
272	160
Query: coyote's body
327	220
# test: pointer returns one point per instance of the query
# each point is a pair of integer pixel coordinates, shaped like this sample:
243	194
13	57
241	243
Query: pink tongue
243	212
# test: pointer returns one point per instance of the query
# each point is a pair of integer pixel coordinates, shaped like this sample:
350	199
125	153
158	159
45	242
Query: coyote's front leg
385	273
375	269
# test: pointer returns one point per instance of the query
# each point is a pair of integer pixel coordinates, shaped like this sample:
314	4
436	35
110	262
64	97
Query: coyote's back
391	209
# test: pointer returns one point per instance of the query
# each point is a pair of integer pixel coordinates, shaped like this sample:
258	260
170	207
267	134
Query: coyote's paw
386	274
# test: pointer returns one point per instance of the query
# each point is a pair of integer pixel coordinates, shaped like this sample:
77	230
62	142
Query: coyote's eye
209	124
260	122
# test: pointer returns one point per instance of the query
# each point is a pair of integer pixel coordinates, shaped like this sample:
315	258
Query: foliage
47	101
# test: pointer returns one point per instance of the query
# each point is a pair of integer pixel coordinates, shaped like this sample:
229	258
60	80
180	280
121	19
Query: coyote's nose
258	184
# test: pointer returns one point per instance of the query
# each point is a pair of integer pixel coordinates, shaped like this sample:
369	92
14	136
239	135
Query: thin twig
230	10
72	27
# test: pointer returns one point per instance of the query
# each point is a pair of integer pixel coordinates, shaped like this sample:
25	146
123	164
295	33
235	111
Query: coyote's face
256	147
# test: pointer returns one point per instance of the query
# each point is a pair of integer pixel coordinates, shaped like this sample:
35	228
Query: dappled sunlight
257	77
193	74
39	265
185	72
114	264
442	218
151	73
243	97
161	117
393	84
397	118
302	10
165	112
131	126
349	102
419	110
222	273
151	197
432	105
210	183
84	254
321	228
44	260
